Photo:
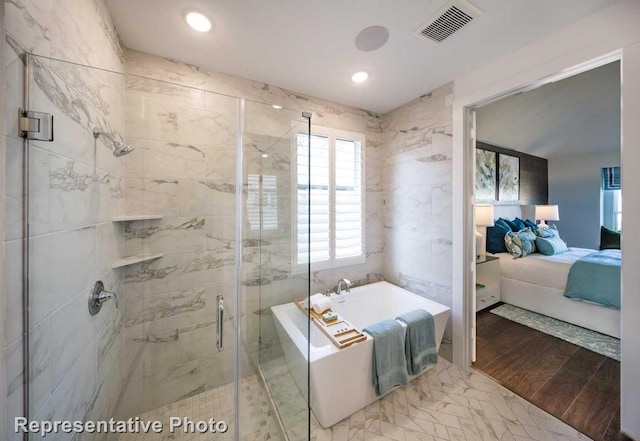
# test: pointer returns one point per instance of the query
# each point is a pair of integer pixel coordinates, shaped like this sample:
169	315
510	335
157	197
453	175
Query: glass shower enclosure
155	234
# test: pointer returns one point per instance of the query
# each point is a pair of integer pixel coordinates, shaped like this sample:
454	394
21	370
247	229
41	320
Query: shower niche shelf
126	261
137	217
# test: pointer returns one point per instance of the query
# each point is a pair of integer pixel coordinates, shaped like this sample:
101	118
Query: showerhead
119	148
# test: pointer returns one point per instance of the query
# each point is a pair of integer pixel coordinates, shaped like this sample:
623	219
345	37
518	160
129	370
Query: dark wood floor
575	385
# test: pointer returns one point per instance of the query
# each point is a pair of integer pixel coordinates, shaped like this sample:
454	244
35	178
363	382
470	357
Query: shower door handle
219	339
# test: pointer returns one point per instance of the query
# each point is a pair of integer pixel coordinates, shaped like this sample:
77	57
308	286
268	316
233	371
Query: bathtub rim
312	352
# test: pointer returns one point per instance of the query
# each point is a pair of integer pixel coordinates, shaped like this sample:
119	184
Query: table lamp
484	219
546	213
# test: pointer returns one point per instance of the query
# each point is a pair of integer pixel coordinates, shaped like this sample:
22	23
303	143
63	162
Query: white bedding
538	269
537	283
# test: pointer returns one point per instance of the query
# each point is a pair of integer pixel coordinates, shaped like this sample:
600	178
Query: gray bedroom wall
577	115
573	123
574	184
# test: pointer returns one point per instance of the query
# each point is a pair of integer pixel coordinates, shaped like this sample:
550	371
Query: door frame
628	53
464	279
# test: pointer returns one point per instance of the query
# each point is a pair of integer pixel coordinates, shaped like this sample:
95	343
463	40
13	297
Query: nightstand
487	282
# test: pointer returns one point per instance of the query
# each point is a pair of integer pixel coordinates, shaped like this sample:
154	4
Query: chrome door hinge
36	125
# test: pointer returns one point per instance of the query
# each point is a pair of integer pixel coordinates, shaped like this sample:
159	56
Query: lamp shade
547	212
484	215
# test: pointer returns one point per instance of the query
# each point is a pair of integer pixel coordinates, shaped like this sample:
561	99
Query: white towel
321	305
313	299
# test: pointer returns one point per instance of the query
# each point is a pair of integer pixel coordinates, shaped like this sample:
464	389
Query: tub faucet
347	285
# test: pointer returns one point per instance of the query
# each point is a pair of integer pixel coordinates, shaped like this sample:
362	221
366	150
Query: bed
538	282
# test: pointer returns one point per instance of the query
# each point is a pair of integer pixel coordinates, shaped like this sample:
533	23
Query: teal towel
420	343
389	363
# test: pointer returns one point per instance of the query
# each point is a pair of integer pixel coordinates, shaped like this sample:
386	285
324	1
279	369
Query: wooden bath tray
341	333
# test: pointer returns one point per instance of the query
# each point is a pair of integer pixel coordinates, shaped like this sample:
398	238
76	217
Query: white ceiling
308	46
577	115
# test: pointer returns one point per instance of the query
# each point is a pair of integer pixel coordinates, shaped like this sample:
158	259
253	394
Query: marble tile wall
267	272
417	195
77	186
3	364
183	168
185	136
262	121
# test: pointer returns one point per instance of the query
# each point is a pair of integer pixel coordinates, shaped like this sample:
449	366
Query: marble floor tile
257	420
446	403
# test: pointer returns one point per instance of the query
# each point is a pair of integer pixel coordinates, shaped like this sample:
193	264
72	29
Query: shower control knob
98	296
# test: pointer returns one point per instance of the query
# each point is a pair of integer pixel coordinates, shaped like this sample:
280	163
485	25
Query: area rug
594	341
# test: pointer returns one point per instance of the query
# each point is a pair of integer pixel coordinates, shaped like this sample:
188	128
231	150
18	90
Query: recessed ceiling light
277	107
264	155
198	21
360	77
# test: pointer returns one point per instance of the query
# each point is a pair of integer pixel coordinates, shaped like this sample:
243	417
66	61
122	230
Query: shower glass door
76	245
275	260
163	193
180	317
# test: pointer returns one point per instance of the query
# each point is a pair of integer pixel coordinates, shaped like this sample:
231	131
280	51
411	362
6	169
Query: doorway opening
485	273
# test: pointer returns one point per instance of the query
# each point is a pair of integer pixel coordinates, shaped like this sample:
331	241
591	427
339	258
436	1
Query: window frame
617	214
333	262
610	198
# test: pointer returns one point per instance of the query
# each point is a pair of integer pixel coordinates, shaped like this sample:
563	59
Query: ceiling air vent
448	20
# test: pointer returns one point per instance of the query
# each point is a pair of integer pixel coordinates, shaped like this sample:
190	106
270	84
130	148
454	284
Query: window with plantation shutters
329	199
262	202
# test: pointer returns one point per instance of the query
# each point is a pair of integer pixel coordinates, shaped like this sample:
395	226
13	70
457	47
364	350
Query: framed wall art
508	178
485	175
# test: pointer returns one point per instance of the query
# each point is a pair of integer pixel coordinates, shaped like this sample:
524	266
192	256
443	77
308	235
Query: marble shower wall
186	171
267	274
77	186
3	364
183	168
417	194
325	114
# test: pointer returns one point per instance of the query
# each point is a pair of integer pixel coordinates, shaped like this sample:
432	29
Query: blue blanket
389	364
596	278
420	342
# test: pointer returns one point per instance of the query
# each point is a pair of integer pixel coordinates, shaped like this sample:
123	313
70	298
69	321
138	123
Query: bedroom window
617	209
337	221
611	198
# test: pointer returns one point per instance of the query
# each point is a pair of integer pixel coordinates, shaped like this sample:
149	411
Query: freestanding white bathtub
342	379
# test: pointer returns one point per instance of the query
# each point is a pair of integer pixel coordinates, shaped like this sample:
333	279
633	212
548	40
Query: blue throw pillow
503	223
519	223
515	225
546	232
520	244
495	238
531	224
527	234
550	246
609	239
